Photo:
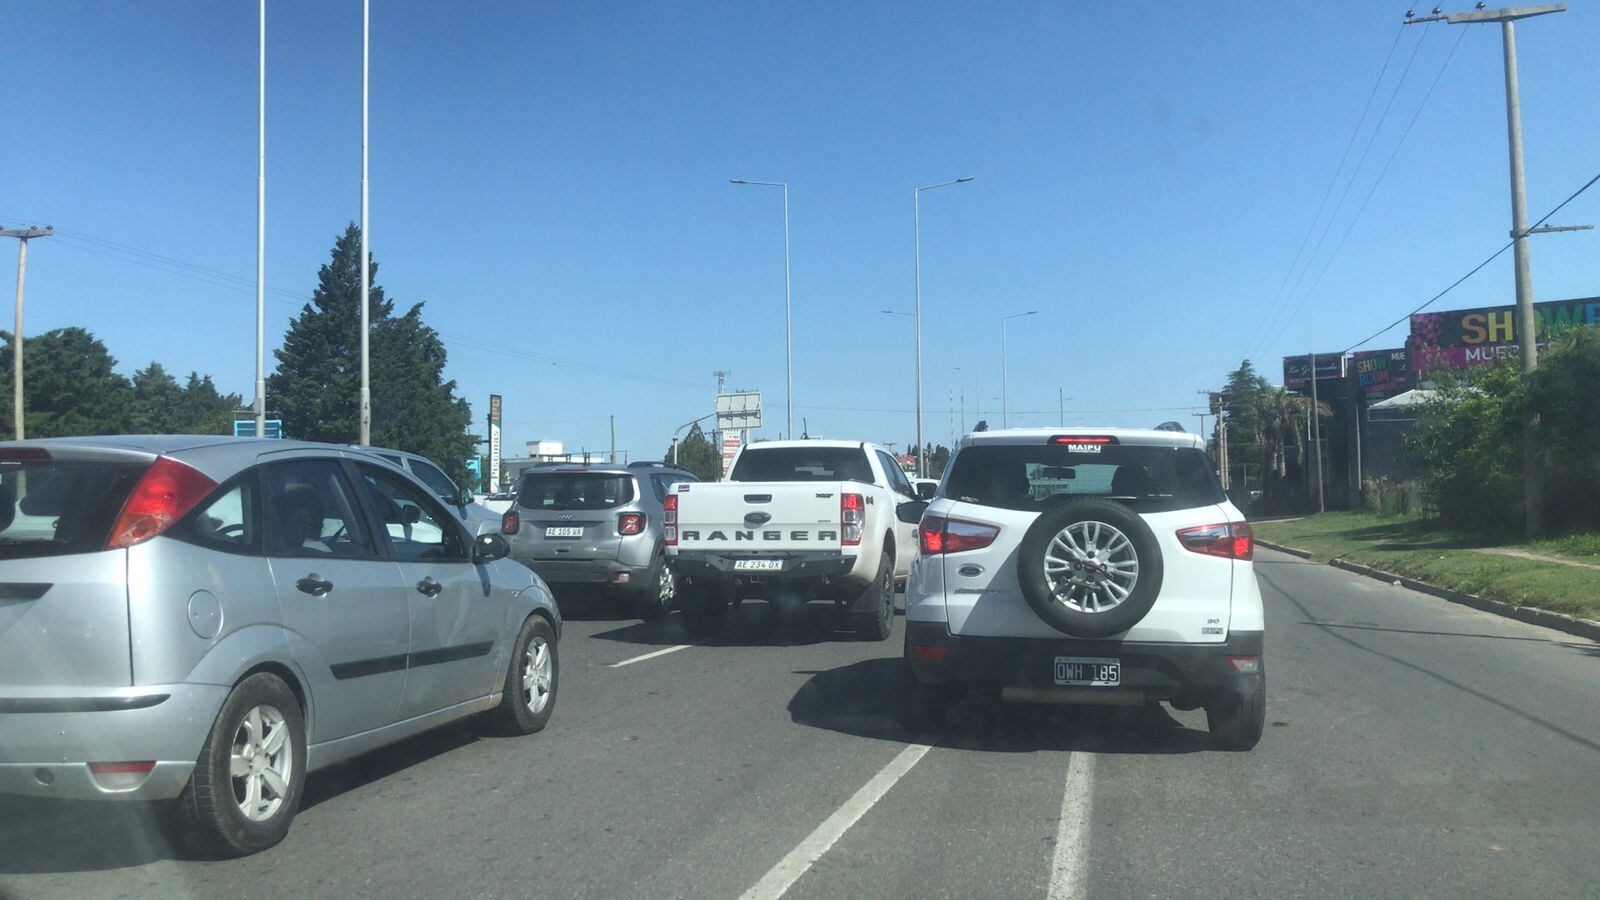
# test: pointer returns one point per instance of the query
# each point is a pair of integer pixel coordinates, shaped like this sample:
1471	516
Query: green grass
1419	549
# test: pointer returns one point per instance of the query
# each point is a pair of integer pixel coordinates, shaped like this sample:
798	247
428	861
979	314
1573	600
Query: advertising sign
731	443
494	442
271	428
1473	337
739	410
1382	371
1297	370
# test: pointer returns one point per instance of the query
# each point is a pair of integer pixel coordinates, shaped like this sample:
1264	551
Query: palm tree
1282	415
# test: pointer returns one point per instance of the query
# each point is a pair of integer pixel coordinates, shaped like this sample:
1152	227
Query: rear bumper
719	568
1150	671
47	742
569	572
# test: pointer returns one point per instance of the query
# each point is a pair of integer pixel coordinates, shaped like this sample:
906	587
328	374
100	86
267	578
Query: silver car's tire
248	780
528	696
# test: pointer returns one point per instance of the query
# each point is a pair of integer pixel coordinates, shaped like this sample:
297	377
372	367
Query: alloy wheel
1091	567
538	675
261	763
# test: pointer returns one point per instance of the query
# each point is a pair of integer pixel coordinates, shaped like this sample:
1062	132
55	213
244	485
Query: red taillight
630	523
1232	540
1083	439
510	523
928	653
669	520
166	491
1245	665
937	534
122	768
851	510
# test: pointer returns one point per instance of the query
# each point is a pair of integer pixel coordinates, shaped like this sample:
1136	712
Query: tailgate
779	517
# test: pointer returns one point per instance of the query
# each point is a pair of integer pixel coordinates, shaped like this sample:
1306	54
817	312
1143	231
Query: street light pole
977	397
788	306
22	235
261	226
366	376
916	229
1005	398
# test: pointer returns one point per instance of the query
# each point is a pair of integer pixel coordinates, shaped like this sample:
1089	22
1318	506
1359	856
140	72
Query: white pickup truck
795	521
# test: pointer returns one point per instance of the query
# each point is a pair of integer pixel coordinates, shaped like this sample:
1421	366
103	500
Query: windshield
575	490
1033	476
802	464
50	509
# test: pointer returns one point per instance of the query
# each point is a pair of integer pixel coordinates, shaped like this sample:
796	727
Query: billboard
1297	370
494	442
1382	371
1461	338
739	410
730	448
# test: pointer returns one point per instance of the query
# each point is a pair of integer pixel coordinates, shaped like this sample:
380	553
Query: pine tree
698	455
71	383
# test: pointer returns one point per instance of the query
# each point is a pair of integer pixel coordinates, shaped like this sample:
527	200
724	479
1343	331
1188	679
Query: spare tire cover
1090	568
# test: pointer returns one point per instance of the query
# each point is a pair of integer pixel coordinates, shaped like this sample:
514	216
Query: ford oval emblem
757	518
970	570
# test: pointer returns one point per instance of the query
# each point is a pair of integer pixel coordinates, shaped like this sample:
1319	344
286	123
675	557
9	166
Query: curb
1559	621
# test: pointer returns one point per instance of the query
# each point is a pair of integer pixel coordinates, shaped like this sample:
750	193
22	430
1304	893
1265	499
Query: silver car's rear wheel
261	765
1091	567
538	675
532	680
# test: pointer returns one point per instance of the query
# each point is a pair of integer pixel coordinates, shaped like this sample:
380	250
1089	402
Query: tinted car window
311	511
436	481
575	490
803	464
1032	476
225	522
895	474
663	484
52	508
416	529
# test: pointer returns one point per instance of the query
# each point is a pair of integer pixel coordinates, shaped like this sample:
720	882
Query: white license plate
564	531
1086	670
759	565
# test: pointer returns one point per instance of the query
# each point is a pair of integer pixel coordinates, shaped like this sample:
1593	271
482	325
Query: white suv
1092	566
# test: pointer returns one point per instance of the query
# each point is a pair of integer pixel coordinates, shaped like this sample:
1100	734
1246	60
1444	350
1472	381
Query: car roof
769	445
603	468
1145	437
173	443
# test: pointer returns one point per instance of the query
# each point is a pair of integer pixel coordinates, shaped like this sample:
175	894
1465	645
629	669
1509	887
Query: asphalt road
1415	748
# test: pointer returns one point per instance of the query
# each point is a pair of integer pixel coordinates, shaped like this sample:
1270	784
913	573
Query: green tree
1466	442
698	455
157	402
1562	392
316	387
71	384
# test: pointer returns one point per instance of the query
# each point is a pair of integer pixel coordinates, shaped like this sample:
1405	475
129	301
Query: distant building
545	452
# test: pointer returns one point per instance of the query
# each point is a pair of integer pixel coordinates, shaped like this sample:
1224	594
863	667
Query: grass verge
1419	549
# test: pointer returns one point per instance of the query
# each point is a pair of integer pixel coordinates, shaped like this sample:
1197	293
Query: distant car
479	518
207	619
599	526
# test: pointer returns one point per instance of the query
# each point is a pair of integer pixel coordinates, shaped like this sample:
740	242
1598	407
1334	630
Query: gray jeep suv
597	526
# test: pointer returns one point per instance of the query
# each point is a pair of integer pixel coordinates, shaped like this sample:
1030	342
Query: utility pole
1316	433
366	377
1061	410
1527	324
613	439
261	225
22	235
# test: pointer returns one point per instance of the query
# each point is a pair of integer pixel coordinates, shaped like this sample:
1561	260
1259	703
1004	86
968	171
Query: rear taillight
121	776
669	520
510	523
166	491
852	509
937	534
1231	540
630	523
1245	665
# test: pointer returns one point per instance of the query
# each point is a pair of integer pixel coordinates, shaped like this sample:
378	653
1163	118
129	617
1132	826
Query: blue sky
552	180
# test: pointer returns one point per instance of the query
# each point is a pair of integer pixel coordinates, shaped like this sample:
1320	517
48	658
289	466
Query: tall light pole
916	226
1527	325
977	397
261	226
366	377
788	307
1005	399
22	235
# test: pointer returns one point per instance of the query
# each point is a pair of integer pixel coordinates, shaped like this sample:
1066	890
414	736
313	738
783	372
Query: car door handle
428	587
314	585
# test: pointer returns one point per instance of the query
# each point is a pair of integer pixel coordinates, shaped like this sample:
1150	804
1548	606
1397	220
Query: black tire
656	602
208	814
1236	721
518	713
705	612
1076	622
877	623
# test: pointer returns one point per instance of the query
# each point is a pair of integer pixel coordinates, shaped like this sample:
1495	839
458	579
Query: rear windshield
1032	476
803	464
56	508
575	490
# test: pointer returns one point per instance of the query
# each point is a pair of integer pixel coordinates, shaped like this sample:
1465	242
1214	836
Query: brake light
937	534
510	523
630	523
1245	665
929	653
1232	540
851	511
121	776
166	491
669	520
1100	439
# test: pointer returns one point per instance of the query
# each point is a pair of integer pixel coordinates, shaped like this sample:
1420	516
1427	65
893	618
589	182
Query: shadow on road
753	624
866	699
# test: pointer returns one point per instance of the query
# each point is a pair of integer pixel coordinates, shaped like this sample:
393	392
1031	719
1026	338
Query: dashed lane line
652	655
1067	875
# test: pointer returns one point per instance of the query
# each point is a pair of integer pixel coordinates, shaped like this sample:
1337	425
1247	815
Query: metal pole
1061	410
613	458
16	343
788	322
1316	432
1005	402
1527	325
261	226
916	233
366	375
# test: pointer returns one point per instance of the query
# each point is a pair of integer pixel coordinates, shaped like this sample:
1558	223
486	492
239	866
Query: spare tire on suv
1090	568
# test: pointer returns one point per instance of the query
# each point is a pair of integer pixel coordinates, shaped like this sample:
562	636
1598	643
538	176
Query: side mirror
911	511
489	547
925	491
410	515
466	498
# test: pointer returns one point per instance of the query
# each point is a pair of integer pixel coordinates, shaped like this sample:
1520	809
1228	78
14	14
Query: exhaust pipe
1088	696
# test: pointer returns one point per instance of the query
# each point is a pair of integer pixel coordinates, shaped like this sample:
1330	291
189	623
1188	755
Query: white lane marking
800	859
1067	875
651	655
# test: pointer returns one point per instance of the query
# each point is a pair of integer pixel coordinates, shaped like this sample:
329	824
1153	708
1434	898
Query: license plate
564	531
759	565
1091	671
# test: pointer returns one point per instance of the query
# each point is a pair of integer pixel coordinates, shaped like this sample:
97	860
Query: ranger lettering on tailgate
822	535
